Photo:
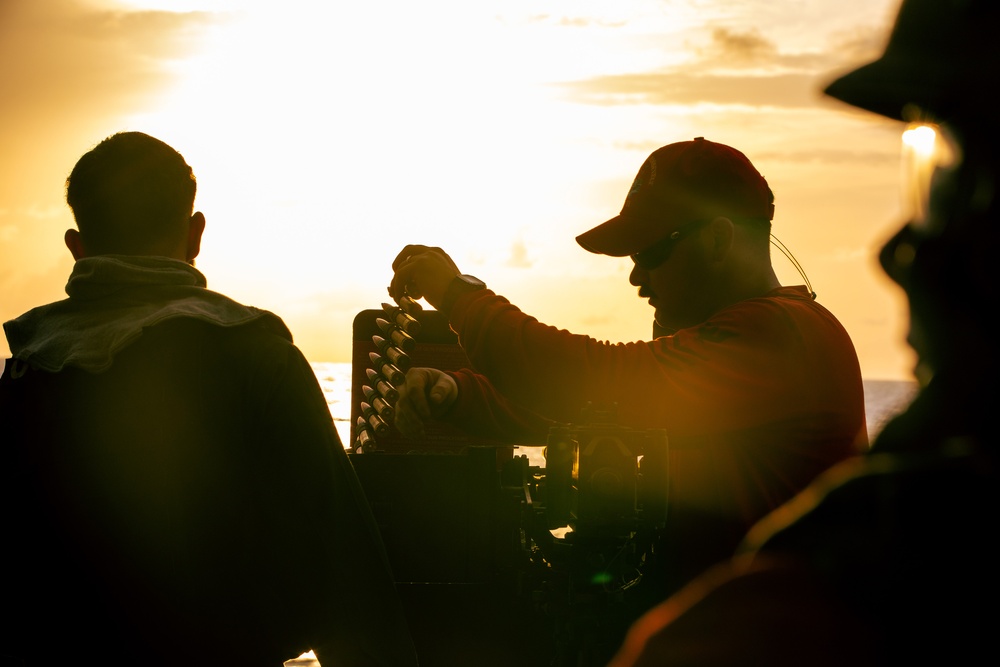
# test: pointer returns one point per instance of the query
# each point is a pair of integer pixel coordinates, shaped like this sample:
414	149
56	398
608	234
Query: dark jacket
192	504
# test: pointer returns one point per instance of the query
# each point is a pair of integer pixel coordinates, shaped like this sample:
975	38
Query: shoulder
784	312
795	301
236	340
253	352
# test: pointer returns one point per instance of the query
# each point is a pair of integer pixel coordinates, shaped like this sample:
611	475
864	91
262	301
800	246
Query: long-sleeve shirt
756	401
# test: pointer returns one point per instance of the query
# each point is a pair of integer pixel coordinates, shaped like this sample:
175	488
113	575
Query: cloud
63	58
574	21
813	155
69	70
884	158
519	258
69	73
743	47
859	44
668	88
733	68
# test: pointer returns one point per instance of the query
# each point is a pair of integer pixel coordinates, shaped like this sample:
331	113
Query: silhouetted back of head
131	195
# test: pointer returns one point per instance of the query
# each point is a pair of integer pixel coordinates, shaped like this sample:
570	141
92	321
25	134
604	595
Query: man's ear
75	244
722	231
196	227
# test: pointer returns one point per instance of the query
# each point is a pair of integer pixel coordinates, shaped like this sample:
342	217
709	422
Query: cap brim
620	237
885	86
940	58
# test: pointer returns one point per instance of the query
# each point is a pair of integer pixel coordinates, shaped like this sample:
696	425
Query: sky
325	136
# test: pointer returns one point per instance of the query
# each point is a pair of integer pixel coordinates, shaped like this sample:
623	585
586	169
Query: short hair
130	194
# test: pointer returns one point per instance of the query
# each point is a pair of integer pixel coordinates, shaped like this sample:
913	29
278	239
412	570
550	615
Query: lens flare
921	139
926	150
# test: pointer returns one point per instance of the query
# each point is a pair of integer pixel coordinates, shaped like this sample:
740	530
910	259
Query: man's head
677	184
940	62
132	194
696	223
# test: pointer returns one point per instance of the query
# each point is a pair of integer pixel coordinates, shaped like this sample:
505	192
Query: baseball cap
679	183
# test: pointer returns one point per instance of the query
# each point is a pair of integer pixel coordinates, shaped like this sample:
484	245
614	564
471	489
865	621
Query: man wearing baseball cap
679	189
890	558
757	385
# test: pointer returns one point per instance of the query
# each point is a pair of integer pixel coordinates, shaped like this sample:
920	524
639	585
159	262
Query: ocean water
335	381
883	398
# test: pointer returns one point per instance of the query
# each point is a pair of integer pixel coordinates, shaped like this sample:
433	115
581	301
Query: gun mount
503	558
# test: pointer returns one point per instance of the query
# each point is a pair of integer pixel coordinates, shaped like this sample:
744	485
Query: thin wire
791	258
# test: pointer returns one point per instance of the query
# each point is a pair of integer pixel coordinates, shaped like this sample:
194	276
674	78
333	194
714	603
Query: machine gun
591	520
503	557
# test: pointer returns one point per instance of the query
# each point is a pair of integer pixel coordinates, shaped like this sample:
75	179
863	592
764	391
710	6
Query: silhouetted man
174	490
757	385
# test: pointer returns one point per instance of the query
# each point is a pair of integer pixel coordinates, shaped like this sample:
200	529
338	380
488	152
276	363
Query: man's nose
638	276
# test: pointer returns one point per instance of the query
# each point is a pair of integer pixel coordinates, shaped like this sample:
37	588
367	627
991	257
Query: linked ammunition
387	391
405	322
388	371
364	440
397	336
384	410
379	427
410	306
396	357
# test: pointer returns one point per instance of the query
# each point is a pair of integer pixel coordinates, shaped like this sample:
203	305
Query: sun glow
925	150
325	136
920	138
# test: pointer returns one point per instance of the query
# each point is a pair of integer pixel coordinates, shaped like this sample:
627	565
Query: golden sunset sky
326	135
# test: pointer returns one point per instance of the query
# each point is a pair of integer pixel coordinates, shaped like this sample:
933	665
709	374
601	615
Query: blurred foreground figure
174	491
890	559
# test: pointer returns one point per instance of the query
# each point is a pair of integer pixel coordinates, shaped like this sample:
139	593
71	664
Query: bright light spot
928	143
926	149
920	139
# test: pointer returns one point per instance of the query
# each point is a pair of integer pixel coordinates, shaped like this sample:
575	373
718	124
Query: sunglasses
656	254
